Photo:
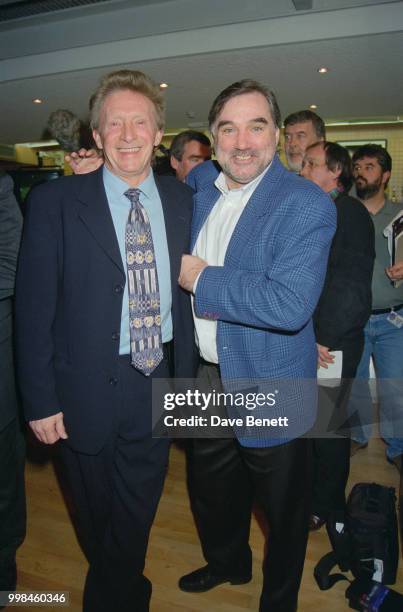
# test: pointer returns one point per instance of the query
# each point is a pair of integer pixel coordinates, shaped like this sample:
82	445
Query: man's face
315	169
297	138
369	177
245	138
194	153
127	134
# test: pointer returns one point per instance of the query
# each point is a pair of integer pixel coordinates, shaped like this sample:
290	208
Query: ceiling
198	48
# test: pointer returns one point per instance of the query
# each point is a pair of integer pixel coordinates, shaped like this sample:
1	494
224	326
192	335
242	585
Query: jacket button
115	336
113	381
118	289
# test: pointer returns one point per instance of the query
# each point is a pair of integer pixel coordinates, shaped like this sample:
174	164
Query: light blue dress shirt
119	206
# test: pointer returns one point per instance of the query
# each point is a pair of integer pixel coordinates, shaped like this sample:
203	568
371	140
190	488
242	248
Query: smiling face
245	138
297	138
127	134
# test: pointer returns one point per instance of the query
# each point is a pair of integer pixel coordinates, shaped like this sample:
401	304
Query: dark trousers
225	478
12	455
115	495
12	499
332	455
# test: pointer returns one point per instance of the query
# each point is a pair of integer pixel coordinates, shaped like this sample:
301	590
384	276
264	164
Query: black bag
372	525
367	543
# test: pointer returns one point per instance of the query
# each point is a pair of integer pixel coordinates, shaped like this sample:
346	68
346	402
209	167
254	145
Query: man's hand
395	272
190	270
84	161
49	430
324	357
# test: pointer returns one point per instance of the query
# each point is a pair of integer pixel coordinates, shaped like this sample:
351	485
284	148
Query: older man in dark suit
100	315
12	498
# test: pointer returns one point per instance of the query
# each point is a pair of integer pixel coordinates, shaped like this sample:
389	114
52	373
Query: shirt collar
221	184
117	186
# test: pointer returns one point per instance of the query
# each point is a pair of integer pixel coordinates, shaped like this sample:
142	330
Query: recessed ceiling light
323	70
37	101
163	85
313	106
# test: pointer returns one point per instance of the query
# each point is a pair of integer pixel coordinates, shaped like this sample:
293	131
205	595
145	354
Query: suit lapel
175	226
204	203
95	213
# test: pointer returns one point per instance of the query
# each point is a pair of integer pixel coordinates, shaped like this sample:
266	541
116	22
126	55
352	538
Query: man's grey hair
65	127
131	80
303	116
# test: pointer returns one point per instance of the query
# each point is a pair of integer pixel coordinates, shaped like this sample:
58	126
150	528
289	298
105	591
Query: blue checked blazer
264	296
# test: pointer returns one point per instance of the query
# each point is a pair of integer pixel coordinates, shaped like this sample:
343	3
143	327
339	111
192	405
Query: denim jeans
384	341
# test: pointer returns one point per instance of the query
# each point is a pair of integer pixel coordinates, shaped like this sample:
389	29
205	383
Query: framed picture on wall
353	145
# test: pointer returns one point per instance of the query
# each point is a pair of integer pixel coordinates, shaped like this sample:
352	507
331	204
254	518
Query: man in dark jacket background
341	314
12	496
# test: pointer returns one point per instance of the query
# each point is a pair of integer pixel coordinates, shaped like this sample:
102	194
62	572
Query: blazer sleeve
345	303
36	303
284	296
10	236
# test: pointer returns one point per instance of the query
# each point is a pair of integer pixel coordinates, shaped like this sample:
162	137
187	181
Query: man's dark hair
243	87
337	157
303	116
377	152
178	144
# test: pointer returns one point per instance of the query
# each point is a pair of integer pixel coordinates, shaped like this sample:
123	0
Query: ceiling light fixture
163	85
323	70
364	122
313	106
37	101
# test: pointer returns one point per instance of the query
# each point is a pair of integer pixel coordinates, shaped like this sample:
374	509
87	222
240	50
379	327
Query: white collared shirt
212	244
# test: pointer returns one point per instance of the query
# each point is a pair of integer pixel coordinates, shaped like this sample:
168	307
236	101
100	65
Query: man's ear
97	139
385	177
158	138
174	162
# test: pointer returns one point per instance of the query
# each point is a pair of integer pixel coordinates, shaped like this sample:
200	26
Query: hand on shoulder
84	161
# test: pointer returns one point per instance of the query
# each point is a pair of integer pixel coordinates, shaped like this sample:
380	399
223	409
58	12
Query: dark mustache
243	152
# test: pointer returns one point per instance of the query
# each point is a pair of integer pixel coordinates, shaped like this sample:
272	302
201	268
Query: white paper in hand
330	376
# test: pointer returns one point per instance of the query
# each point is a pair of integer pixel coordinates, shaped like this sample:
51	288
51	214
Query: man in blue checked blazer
260	242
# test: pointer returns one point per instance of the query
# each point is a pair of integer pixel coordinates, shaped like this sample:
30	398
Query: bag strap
322	570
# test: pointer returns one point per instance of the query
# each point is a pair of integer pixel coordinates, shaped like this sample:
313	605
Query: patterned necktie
144	296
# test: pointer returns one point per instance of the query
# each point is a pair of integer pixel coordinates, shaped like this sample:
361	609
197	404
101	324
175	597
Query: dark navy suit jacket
10	234
69	301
